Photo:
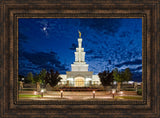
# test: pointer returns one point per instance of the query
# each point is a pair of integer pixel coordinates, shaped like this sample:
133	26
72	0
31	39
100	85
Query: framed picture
79	59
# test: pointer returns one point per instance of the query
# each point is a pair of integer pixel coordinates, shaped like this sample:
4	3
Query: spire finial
79	34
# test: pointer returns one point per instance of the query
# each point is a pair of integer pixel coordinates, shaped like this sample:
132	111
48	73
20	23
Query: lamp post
22	79
113	92
42	93
121	92
61	93
94	94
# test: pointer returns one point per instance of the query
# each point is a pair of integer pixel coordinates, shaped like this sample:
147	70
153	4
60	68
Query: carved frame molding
11	10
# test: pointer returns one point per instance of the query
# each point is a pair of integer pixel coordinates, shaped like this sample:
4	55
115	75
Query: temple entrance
79	82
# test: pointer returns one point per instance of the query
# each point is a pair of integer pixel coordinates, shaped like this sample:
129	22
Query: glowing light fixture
61	93
113	92
94	94
42	93
121	92
42	90
35	92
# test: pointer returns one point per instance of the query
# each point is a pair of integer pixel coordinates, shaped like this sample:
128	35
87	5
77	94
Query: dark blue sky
108	43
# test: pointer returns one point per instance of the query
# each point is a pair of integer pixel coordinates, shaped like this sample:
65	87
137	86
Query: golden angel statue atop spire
79	34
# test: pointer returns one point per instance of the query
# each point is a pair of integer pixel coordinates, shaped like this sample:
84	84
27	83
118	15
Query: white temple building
79	76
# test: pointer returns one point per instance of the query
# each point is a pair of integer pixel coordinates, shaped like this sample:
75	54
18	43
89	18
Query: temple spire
79	41
79	64
79	34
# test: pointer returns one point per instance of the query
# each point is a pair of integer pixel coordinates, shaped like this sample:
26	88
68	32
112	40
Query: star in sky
44	28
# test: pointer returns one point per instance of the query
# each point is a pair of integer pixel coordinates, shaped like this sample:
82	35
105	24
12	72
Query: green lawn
129	97
27	96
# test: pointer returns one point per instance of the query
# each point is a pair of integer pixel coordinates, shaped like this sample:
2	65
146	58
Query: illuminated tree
40	77
118	77
122	76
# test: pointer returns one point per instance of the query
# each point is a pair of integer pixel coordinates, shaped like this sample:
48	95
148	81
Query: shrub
139	91
129	89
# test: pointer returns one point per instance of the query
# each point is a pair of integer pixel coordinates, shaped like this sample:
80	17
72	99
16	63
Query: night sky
109	43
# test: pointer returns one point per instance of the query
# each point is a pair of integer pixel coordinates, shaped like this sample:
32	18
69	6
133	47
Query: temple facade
79	76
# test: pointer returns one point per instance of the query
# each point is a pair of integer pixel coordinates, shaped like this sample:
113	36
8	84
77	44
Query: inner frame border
84	15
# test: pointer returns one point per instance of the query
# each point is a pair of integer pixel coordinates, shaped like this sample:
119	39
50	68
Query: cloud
135	62
43	60
108	26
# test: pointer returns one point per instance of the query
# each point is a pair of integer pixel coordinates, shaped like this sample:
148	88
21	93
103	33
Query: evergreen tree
127	74
122	76
119	76
42	76
52	78
36	78
30	77
116	75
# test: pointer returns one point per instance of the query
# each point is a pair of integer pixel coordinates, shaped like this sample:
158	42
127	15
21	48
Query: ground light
42	93
121	92
94	94
35	92
113	92
61	93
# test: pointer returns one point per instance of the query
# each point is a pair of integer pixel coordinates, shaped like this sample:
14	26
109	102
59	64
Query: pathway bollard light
94	94
113	92
35	92
61	93
22	79
42	93
121	93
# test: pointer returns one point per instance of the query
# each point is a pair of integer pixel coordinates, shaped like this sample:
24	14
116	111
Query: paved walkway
88	95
